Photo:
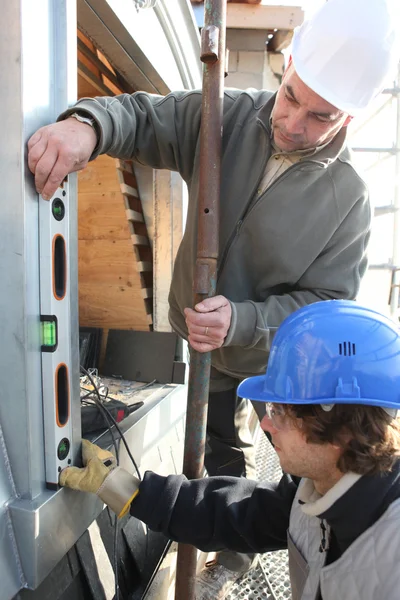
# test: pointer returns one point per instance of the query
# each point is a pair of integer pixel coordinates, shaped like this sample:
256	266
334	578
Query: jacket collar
328	153
314	504
354	504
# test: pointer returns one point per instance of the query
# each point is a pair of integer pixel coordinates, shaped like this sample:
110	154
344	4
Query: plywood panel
101	305
100	216
110	285
110	263
100	176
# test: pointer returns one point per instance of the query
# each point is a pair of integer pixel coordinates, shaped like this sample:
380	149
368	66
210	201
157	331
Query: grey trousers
230	451
229	448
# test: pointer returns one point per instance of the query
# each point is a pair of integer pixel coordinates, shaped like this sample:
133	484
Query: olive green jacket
303	240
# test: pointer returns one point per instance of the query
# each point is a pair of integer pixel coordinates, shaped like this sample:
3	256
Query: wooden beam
147	293
140	240
93	80
128	190
134	216
259	16
144	267
281	40
122	86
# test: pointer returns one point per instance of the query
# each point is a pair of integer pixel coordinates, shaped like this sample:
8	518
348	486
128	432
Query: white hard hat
347	50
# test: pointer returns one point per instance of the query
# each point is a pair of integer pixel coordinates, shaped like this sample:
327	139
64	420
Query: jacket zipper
239	223
324	545
251	206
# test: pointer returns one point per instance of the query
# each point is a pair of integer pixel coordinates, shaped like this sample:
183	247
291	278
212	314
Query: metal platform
270	579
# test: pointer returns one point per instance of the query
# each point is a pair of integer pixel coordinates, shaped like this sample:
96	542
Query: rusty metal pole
205	280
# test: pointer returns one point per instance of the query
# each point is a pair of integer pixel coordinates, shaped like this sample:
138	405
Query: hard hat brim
253	388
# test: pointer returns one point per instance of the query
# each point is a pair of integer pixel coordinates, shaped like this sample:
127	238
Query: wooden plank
86	89
258	16
168	202
111	263
95	81
120	175
100	176
108	307
92	58
280	41
147	293
134	216
143	266
129	190
124	165
110	282
84	61
140	240
101	216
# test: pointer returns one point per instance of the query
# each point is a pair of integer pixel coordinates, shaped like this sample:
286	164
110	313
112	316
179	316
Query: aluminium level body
56	334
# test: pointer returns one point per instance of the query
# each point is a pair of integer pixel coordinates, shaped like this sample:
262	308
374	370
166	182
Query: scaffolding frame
394	208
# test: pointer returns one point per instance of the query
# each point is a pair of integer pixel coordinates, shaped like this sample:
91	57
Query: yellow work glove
100	475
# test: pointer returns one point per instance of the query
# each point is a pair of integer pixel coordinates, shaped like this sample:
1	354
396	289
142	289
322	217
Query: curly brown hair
370	438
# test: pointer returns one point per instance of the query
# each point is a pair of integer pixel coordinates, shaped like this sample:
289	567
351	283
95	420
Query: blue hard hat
331	352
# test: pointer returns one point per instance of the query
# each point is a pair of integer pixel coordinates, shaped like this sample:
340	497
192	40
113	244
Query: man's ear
285	72
348	120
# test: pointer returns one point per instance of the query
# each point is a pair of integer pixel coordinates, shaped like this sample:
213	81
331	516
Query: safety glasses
279	418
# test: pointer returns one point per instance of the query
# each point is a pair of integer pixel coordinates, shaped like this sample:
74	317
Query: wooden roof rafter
97	71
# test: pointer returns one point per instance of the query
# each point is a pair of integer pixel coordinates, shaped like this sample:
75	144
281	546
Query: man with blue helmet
332	391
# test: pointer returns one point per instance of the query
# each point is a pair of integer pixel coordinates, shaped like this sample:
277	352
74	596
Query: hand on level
208	324
100	475
58	149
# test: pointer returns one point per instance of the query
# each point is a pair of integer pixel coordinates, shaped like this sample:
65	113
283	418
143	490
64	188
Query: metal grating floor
273	566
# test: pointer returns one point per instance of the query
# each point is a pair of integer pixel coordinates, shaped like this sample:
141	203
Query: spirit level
55	326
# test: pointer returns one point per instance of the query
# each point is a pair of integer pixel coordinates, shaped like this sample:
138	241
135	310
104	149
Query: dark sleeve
217	512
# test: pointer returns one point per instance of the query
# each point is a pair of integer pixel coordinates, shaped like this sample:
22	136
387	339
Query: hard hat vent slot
347	349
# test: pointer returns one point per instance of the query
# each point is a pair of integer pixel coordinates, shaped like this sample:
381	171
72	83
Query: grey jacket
368	570
302	241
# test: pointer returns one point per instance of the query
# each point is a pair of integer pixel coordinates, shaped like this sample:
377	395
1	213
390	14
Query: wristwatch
88	120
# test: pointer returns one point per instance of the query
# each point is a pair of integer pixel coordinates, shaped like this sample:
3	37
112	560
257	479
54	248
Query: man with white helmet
332	389
294	213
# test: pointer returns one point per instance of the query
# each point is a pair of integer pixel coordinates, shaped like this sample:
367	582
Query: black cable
108	416
150	582
122	437
104	412
125	442
86	395
116	425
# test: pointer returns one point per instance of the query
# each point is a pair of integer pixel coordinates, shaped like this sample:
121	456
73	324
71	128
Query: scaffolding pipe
394	299
380	108
205	279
